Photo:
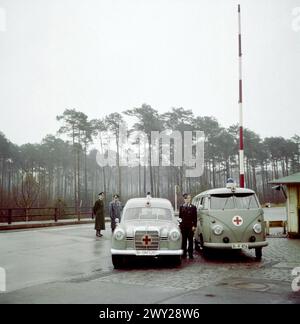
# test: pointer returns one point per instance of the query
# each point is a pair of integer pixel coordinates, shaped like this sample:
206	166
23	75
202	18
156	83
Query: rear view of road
275	214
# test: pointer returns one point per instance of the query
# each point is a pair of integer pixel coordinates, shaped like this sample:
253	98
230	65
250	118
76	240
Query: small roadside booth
292	183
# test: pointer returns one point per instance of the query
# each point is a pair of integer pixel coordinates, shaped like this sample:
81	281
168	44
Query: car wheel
258	253
173	260
201	241
177	260
117	261
205	251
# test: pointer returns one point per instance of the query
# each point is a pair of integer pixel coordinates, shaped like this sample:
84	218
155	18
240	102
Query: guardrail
10	215
271	224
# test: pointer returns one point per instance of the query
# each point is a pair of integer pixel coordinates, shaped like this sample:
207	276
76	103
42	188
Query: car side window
201	203
205	202
196	203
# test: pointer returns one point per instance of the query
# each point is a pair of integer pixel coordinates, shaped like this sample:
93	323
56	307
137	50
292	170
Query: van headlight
217	229
257	228
119	234
174	235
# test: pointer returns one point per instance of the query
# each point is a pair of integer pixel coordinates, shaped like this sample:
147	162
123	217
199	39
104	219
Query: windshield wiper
226	202
249	202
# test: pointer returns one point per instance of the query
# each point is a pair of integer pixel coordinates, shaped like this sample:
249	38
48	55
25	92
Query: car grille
146	240
164	238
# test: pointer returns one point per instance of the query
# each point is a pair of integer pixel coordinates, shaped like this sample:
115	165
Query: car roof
154	202
220	191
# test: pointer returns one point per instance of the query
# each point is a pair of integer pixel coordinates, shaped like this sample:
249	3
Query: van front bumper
232	246
146	252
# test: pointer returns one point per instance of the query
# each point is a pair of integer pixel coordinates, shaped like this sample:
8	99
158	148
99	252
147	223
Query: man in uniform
98	211
115	209
188	216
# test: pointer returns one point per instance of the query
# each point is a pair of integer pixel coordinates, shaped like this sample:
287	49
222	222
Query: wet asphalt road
70	265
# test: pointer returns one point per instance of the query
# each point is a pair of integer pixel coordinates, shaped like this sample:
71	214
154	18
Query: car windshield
233	201
148	213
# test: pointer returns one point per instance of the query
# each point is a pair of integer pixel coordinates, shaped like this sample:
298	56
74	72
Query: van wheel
117	261
258	253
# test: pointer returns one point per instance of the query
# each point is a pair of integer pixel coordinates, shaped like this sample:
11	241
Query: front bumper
151	252
229	245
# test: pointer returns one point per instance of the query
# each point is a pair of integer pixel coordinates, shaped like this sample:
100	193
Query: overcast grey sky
103	56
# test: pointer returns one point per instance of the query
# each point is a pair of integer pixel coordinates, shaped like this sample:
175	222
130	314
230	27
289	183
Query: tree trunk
254	177
86	203
118	166
145	178
150	166
75	169
78	183
140	180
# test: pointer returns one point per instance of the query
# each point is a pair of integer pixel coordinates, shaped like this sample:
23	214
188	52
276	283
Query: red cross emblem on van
237	220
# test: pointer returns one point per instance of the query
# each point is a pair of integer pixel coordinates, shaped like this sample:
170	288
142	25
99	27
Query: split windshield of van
233	201
148	213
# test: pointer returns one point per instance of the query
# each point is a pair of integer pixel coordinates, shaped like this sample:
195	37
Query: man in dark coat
98	211
115	209
188	216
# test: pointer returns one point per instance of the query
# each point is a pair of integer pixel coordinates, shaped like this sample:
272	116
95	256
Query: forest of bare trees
63	167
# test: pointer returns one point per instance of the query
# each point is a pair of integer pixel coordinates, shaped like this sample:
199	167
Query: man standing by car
188	216
98	211
115	209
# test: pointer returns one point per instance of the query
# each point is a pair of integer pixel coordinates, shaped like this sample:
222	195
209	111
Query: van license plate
146	253
239	246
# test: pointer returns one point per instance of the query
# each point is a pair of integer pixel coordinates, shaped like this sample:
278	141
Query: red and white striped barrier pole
241	151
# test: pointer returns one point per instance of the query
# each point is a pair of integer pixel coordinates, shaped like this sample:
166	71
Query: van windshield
233	201
148	213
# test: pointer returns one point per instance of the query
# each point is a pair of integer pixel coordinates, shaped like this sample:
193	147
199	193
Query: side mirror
200	207
179	220
117	221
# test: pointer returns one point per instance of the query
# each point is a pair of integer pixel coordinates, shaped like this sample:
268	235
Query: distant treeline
65	171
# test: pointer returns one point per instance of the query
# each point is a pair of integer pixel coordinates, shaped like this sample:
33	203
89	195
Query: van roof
154	202
220	191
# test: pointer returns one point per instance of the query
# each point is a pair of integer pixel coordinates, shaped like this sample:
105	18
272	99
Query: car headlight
257	228
174	235
217	229
119	234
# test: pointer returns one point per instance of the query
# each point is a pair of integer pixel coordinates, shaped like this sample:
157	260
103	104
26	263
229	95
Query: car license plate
239	246
146	253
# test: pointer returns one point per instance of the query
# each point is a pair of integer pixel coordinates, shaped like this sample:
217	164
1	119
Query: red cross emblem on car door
237	220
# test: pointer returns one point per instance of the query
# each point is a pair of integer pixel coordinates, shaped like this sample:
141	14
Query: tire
117	261
177	260
258	253
205	252
201	242
172	260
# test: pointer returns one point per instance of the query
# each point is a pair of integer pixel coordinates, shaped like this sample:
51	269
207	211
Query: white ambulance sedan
148	229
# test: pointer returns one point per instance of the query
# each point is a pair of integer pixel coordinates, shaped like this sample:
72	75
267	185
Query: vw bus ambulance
229	218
